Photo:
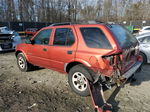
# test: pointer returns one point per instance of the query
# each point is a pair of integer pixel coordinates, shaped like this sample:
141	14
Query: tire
78	79
144	57
22	63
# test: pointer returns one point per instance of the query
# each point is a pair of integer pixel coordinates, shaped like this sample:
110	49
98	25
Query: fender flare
79	61
18	51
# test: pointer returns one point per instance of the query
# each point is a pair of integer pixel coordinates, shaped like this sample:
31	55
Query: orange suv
86	52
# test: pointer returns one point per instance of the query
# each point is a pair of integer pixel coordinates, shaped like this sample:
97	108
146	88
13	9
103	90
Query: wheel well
92	73
17	52
70	65
144	55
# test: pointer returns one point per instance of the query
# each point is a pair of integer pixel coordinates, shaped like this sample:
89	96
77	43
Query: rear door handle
44	49
69	52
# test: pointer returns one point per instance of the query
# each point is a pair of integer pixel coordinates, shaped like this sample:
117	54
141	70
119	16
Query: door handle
44	49
69	52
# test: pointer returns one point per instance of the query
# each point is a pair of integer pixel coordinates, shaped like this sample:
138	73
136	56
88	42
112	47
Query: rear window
95	38
123	36
147	29
145	39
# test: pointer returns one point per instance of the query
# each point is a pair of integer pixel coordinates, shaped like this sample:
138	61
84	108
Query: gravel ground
44	90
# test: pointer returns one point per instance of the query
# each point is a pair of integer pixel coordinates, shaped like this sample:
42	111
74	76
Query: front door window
43	37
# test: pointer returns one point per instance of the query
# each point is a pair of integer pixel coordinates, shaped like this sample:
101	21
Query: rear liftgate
96	89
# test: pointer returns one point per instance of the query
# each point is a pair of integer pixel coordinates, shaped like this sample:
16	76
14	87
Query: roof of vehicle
79	23
88	23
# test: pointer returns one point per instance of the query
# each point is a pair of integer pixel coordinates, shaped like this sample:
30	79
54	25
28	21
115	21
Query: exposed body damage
9	41
107	77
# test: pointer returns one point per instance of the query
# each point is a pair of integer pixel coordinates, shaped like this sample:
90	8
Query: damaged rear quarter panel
94	55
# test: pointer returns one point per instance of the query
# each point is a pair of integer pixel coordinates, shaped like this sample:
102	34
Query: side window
95	38
43	37
70	38
141	40
63	37
146	40
147	29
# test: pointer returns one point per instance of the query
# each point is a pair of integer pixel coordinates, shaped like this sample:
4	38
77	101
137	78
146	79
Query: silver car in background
144	30
144	41
8	39
5	30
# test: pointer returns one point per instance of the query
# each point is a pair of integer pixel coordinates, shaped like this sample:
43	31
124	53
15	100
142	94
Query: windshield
6	28
123	36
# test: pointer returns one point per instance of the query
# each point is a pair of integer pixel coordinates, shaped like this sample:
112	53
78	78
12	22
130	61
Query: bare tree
73	10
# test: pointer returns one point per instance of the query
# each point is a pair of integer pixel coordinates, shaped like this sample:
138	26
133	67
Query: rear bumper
132	70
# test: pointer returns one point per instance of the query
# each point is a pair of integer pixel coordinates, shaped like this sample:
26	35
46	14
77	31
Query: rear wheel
144	57
22	63
78	80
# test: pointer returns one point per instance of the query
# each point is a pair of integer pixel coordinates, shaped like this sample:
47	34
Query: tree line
74	10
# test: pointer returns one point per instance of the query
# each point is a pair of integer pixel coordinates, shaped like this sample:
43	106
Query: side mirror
32	42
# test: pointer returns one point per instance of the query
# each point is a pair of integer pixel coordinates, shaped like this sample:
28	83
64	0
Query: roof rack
59	24
81	22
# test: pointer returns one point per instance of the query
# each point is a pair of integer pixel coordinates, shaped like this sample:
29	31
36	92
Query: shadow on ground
16	98
141	76
112	100
7	52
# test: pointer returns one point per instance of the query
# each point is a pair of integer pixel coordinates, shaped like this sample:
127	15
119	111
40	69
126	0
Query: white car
144	30
144	41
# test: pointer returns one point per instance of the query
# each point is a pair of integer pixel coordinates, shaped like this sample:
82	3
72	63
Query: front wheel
78	80
22	63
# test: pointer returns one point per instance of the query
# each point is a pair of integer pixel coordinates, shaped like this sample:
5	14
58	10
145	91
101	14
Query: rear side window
64	37
95	38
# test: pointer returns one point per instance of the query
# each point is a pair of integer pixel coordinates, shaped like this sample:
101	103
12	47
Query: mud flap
97	97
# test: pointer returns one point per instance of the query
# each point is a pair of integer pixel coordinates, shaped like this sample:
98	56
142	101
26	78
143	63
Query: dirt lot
45	90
